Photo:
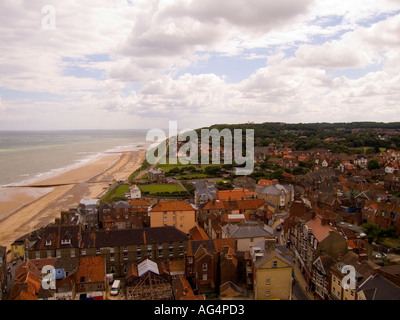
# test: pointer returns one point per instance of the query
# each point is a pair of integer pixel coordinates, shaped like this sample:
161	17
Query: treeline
305	136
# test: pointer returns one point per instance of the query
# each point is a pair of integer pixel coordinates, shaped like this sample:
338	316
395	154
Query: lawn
156	188
116	194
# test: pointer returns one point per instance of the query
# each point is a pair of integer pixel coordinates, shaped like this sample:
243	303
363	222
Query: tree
373	164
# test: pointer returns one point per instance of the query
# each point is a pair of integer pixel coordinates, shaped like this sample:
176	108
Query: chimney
270	243
340	256
362	257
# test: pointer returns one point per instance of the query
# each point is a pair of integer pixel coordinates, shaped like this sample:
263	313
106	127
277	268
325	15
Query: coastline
63	192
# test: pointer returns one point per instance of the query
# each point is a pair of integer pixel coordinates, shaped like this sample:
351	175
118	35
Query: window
125	256
58	253
275	264
205	276
190	260
205	266
48	254
66	241
98	251
72	253
171	252
160	253
125	248
338	282
181	251
111	256
267	293
352	293
83	252
268	281
334	279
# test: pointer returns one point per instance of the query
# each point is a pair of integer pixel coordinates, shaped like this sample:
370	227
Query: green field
157	188
116	194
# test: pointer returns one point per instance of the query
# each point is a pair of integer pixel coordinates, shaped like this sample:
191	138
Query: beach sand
32	209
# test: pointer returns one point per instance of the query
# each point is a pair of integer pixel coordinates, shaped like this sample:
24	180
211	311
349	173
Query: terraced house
56	241
123	247
179	214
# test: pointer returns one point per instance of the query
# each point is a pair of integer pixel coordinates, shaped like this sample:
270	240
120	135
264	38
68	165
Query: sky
127	64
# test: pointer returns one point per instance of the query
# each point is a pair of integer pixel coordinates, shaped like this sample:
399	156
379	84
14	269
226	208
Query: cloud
140	63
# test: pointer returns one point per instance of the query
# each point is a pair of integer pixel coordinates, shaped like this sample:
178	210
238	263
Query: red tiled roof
90	270
235	194
172	206
319	230
198	233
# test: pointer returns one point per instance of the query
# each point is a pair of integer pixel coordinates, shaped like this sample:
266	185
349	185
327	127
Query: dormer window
48	242
66	241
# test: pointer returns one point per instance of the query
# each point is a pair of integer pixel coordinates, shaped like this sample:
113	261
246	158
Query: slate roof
55	234
245	230
377	287
98	239
275	189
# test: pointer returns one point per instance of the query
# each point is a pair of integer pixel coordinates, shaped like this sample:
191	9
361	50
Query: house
391	167
271	273
312	238
376	287
246	234
89	214
179	214
156	175
363	269
135	192
90	278
204	191
148	281
203	263
361	161
321	276
123	247
27	282
392	181
382	213
182	290
140	209
235	194
19	246
56	241
198	233
280	196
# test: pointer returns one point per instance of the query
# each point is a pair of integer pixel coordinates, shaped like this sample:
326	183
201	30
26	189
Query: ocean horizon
29	156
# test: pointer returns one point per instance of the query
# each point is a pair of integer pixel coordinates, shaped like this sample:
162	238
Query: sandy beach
24	209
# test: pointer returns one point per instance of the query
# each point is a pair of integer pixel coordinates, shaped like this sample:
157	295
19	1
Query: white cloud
152	44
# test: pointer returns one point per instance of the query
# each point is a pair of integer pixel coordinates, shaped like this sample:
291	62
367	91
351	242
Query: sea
30	156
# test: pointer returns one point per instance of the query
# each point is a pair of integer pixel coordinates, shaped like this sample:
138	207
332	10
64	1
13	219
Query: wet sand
31	208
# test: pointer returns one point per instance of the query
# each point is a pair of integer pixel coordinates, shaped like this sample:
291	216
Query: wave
88	158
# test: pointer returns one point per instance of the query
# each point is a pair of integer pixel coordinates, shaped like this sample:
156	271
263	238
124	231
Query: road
298	292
